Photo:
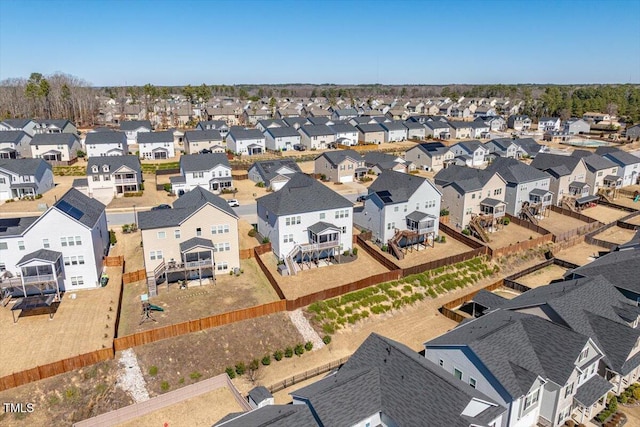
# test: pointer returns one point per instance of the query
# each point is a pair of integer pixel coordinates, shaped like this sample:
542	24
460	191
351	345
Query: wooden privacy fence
51	369
475	244
528	225
134	276
380	258
447	308
522	246
169	331
616	206
572	214
246	253
281	385
453	259
114	261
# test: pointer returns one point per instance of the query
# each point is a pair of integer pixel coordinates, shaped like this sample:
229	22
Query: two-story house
113	175
340	165
263	125
305	221
108	143
394	131
575	127
57	148
370	133
55	126
473	153
527	192
274	174
61	250
437	129
14	144
24	177
415	130
519	123
495	123
219	125
528	147
503	147
132	128
346	134
156	145
549	124
245	141
376	162
26	125
468	191
197	140
568	178
602	173
281	138
401	210
430	156
210	171
344	113
317	136
628	166
460	130
195	240
479	129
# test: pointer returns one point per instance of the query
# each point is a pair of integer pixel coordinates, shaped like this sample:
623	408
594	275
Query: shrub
345	253
623	398
299	350
167	188
444	212
636	393
407	289
153	371
288	352
328	328
326	339
277	355
613	404
384	248
506	221
164	386
240	368
38	196
252	232
266	360
112	237
260	184
354	251
265	240
254	365
195	376
466	232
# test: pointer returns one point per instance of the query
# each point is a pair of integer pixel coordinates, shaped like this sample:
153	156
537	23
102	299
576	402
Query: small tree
254	365
112	237
308	346
231	372
81	154
277	355
326	339
240	368
288	352
299	350
266	360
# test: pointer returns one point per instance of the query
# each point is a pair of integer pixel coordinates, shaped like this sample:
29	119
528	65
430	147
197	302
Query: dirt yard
246	241
506	293
150	196
317	279
80	325
200	411
62	185
417	257
580	254
616	235
128	245
635	220
510	235
542	277
604	214
558	223
247	191
227	294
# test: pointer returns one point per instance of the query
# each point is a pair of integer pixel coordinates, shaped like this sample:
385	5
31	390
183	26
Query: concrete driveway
104	196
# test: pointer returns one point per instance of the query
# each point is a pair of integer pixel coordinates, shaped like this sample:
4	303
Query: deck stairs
476	227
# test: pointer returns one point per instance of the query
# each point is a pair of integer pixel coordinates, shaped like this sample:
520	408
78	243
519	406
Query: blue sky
129	42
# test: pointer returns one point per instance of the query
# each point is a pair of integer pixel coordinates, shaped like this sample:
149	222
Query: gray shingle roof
431	148
592	390
196	242
488	299
268	122
529	145
88	210
259	393
109	137
302	194
620	268
271	415
317	130
321	120
17	123
54	139
13	136
343	128
338	156
409	124
282	132
202	135
155	137
368	128
32	167
436	124
465	178
393	125
418	216
399	185
15	226
555	164
516	172
373	158
292	121
203	162
239	134
594	162
471	145
268	169
320	226
135	125
40	254
622	158
114	163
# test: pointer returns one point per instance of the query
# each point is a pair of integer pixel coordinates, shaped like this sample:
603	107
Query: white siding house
106	143
132	128
24	177
317	136
245	141
14	144
209	171
281	138
156	145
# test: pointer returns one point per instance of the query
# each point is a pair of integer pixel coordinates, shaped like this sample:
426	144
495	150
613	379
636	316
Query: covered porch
218	184
324	243
159	153
254	149
360	173
52	156
40	274
8	153
494	207
196	261
579	189
23	189
590	399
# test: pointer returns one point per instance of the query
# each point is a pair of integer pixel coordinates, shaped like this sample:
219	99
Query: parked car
233	203
160	207
299	147
361	198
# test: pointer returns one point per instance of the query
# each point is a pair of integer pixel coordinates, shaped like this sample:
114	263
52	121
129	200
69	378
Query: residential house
219	125
26	125
528	147
519	123
281	138
376	162
596	118
245	141
460	130
576	127
304	221
226	114
14	144
197	140
430	156
479	129
527	192
628	166
459	111
399	204
133	112
371	133
283	113
568	177
437	129
317	137
633	132
24	177
485	111
210	171
156	145
344	113
384	383
536	368
274	174
495	123
346	134
340	165
111	143
362	120
503	147
251	116
394	131
472	153
263	125
468	191
195	240
295	122
133	127
549	124
55	126
601	172
415	130
61	250
113	175
61	148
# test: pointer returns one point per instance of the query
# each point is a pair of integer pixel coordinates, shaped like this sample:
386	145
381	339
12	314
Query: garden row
333	314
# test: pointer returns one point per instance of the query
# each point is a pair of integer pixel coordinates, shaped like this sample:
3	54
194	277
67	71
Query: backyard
604	214
543	276
580	254
558	223
510	235
616	234
227	294
416	257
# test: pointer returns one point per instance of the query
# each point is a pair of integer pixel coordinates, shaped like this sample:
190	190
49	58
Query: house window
473	196
198	231
222	265
583	355
153	255
45	243
288	238
322	215
457	373
342	213
396	208
96	178
531	399
472	382
497	191
63	241
81	259
67	260
3	267
107	177
77	281
162	235
21	245
78	241
568	390
600	174
468	211
176	234
198	174
3	245
3	181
